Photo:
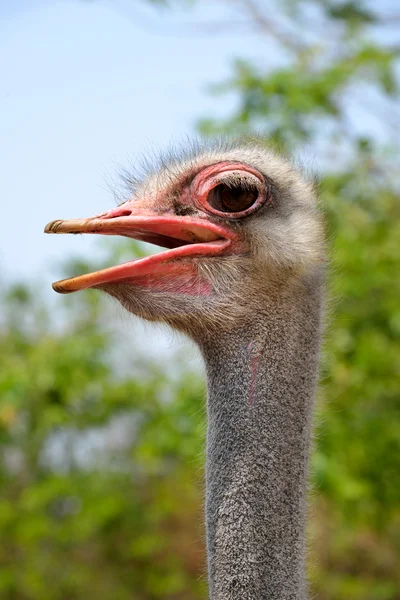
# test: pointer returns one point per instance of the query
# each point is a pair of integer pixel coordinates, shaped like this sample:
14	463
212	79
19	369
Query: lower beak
184	237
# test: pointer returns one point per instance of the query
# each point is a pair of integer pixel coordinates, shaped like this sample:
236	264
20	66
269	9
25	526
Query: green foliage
357	463
103	523
292	105
350	13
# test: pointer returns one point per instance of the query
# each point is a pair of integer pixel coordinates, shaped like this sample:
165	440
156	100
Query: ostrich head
238	224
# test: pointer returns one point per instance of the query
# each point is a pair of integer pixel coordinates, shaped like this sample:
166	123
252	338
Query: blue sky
84	89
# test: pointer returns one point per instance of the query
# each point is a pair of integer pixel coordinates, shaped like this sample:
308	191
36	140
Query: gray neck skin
261	381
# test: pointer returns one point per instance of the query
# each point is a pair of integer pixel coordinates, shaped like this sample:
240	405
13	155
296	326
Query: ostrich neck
261	380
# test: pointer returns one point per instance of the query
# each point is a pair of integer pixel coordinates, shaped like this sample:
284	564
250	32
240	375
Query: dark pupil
232	199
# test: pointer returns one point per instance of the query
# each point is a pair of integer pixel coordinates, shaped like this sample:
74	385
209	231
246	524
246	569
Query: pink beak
183	236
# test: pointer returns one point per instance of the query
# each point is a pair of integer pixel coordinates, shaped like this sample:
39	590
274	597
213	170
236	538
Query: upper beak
184	236
141	225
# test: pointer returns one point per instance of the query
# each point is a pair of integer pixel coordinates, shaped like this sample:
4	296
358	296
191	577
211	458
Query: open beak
183	237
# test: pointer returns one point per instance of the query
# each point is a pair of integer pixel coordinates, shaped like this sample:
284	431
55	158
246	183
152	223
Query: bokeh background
101	417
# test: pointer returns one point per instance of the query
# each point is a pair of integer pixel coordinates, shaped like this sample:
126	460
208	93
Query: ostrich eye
230	190
232	199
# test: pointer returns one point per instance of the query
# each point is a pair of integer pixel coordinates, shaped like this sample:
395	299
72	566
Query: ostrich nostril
116	213
123	213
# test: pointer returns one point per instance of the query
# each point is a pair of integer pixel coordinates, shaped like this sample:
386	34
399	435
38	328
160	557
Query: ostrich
242	275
